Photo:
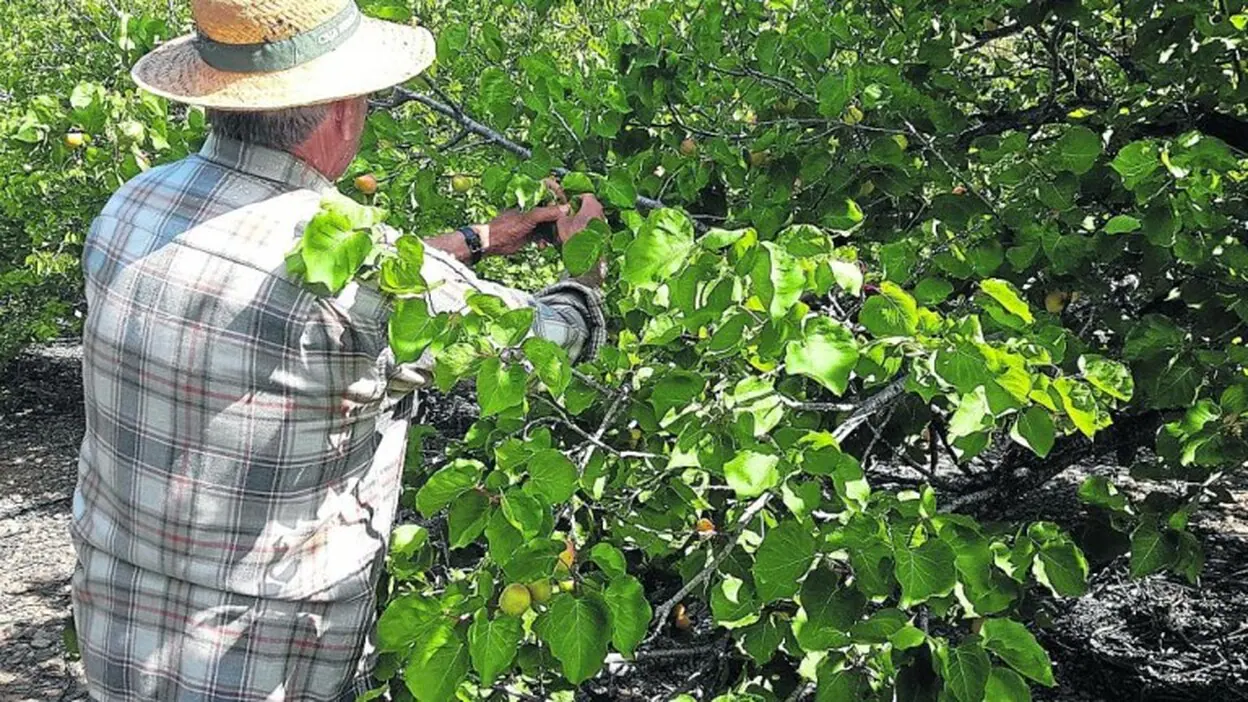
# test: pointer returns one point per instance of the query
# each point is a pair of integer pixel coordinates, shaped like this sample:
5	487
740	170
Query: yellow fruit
688	147
461	183
540	590
567	585
681	619
705	527
1055	302
515	600
853	115
866	188
74	140
959	190
366	183
568	557
759	158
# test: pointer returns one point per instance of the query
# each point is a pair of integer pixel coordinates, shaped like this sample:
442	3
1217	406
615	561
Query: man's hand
512	229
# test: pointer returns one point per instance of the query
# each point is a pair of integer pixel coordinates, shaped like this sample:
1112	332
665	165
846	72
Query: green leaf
844	685
335	243
966	670
932	291
1151	550
1080	405
660	249
550	362
583	251
783	558
630	613
1110	377
467	518
762	638
1062	568
1122	224
497	92
619	189
751	474
891	312
552	476
445	485
924	571
972	416
492	644
1034	429
778	278
1004	685
524	512
1136	162
435	676
829	609
609	559
577	183
412	329
1016	646
1007	295
826	353
412	620
1077	151
834	92
498	387
847	275
578	630
717	239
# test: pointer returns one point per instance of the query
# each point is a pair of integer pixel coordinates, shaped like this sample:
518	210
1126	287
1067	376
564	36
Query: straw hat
249	55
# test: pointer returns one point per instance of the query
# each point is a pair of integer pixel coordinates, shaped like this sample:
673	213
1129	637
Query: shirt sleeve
568	313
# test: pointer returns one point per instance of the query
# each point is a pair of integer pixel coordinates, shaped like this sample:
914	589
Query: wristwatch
473	240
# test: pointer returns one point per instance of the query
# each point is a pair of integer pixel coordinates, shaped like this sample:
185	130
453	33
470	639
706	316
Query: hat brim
379	55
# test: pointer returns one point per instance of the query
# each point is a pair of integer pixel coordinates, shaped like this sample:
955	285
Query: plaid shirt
245	438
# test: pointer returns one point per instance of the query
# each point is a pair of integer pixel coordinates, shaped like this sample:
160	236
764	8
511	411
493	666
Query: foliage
895	235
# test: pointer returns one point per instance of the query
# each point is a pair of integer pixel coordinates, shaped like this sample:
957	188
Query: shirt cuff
588	302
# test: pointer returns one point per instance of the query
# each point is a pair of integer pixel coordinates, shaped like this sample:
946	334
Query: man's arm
506	234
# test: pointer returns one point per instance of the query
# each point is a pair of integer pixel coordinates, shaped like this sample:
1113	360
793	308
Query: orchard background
884	276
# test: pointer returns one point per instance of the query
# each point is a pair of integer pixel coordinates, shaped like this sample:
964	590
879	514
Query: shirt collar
263	162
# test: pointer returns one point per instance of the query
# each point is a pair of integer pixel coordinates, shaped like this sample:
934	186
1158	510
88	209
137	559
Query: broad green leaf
1008	296
524	512
619	189
932	291
972	416
335	242
847	275
552	476
582	251
778	278
1004	685
783	558
1110	377
751	474
762	638
630	612
436	676
660	249
1136	162
966	670
445	485
550	362
1077	151
834	92
879	627
412	620
1151	550
609	559
1018	647
1062	568
467	518
826	353
500	388
492	644
830	610
412	329
1080	405
717	239
891	312
1034	429
578	630
924	571
1122	224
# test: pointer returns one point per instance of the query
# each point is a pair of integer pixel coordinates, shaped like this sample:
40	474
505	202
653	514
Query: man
244	444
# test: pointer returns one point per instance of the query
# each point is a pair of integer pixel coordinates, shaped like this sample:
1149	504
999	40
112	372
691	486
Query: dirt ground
1154	639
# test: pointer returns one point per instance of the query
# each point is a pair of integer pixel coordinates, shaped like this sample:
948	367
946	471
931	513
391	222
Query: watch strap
473	240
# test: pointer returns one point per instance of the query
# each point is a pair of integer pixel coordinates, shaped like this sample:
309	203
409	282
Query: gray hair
277	129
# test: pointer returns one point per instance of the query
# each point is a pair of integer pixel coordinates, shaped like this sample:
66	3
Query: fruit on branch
75	140
515	600
688	147
541	590
568	557
853	115
759	158
461	183
959	190
567	585
705	528
1056	301
680	618
366	183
